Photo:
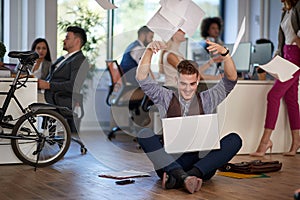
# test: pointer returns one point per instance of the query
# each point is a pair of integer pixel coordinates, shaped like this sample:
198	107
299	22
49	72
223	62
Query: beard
146	43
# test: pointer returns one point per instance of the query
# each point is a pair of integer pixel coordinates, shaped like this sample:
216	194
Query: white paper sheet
193	15
178	7
162	27
123	174
168	14
174	15
239	36
105	4
280	68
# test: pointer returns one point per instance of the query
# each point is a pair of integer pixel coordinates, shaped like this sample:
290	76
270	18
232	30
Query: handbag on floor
252	167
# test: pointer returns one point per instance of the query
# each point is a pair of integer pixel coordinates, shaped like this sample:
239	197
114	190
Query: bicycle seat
26	57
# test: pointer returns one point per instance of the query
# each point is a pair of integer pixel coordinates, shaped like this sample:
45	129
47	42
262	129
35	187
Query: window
1	20
131	15
126	20
92	18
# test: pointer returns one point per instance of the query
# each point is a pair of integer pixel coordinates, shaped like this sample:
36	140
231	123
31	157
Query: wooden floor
76	177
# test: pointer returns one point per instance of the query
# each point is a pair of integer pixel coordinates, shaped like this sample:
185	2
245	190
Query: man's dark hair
207	22
79	32
265	41
188	67
144	29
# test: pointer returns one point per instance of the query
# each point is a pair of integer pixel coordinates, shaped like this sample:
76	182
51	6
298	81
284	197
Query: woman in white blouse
288	48
170	57
42	66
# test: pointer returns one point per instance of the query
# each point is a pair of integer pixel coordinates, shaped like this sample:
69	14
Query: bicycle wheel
44	131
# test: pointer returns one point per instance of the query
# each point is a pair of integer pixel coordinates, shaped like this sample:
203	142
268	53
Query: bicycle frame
9	96
41	125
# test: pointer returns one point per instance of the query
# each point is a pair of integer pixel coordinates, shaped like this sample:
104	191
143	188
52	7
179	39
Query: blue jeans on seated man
206	162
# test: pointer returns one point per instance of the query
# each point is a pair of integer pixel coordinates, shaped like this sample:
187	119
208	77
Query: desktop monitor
10	66
241	56
261	54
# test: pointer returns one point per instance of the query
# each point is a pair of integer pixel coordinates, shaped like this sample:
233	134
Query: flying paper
174	15
239	37
280	68
105	4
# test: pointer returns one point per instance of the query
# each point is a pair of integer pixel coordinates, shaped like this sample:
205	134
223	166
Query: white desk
244	111
26	95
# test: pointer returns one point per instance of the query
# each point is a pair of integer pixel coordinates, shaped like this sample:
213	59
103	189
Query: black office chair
63	98
123	94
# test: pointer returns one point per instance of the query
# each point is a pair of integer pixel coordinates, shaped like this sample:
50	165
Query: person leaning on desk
189	169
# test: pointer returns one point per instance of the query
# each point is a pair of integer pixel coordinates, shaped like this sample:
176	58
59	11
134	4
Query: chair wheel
111	135
83	150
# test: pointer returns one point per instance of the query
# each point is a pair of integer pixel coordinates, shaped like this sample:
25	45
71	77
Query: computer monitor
261	54
10	66
241	56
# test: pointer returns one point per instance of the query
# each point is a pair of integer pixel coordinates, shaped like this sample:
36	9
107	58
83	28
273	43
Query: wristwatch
227	51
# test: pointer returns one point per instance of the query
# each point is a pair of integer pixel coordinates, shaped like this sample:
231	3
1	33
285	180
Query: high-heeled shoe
292	152
263	147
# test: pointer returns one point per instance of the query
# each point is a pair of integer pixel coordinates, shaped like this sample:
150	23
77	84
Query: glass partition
125	21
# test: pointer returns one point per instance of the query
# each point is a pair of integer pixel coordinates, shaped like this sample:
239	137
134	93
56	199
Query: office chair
63	98
123	94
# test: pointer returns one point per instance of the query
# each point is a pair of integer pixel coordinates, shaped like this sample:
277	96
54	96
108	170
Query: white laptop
191	133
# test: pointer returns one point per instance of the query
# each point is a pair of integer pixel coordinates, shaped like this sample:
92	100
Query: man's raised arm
145	63
229	66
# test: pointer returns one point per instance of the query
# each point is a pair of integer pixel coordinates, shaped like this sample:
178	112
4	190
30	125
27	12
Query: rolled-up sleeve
212	97
160	96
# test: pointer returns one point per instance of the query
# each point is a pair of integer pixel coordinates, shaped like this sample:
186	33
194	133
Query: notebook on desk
191	133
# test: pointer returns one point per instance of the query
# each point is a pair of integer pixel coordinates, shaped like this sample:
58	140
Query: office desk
26	95
244	111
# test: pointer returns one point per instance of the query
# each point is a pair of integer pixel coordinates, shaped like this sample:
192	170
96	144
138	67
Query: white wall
26	20
263	18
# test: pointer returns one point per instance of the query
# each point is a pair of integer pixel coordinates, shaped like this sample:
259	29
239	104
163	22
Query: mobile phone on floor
125	182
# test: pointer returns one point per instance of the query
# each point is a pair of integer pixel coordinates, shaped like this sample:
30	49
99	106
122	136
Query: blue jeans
207	162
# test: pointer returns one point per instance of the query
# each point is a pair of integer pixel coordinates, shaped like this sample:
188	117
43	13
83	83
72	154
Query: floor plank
76	177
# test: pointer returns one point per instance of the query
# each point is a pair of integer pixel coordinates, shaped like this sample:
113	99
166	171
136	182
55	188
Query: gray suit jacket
68	78
45	69
296	26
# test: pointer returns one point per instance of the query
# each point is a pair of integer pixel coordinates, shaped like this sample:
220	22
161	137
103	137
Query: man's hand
215	48
44	85
155	46
144	65
229	66
297	41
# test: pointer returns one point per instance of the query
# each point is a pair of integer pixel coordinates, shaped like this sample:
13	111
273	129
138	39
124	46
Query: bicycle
41	136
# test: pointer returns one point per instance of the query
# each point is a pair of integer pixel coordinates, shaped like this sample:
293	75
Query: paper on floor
123	174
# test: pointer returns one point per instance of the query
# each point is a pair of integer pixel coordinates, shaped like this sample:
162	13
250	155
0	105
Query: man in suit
68	73
134	52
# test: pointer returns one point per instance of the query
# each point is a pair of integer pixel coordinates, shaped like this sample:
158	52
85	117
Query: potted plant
2	52
91	22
